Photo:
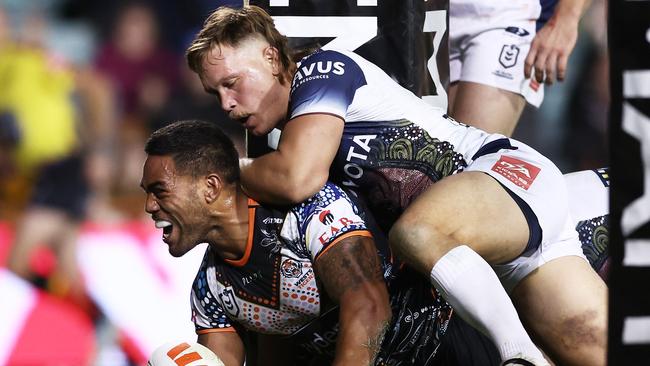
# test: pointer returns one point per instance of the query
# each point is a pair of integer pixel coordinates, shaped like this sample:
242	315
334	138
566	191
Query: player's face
173	200
243	78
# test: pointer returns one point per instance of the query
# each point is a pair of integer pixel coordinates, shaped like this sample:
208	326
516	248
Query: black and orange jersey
273	289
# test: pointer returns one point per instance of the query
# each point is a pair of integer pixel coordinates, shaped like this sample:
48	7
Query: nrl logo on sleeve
227	297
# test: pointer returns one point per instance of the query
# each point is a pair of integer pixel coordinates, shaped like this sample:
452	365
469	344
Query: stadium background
136	294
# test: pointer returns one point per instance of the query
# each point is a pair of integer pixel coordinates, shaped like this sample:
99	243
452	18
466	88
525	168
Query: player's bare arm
300	165
225	344
553	44
351	273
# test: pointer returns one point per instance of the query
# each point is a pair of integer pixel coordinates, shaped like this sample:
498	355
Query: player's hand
550	50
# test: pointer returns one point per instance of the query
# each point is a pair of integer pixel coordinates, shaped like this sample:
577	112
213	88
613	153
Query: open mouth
166	226
243	120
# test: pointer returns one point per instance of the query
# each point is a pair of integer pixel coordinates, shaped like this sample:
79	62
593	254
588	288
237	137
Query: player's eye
159	193
230	83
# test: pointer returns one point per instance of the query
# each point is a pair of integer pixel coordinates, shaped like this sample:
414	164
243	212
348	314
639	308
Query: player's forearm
275	179
228	346
569	11
351	273
361	335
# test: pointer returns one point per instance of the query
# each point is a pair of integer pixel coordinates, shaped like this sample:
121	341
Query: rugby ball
182	353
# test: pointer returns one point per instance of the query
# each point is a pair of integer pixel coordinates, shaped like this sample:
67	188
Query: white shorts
493	53
512	272
588	193
539	188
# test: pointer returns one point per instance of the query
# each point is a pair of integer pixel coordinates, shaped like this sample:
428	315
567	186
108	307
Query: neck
230	235
285	101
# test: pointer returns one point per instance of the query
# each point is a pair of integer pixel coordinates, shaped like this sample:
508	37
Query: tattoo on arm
348	265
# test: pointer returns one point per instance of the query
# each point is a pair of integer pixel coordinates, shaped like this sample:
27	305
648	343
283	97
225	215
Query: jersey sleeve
207	314
326	219
325	82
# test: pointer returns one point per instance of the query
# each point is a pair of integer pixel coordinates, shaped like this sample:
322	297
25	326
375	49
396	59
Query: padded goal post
629	297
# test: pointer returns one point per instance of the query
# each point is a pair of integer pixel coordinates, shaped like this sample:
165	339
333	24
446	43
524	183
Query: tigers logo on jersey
517	171
291	269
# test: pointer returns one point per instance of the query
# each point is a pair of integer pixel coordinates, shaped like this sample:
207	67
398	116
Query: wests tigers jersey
273	288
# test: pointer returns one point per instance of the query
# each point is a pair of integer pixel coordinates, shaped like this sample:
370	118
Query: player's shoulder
330	61
328	195
200	280
328	55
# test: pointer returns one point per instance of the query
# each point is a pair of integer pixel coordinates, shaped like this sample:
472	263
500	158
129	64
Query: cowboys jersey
395	145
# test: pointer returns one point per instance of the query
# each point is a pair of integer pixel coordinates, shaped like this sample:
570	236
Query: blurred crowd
92	79
83	83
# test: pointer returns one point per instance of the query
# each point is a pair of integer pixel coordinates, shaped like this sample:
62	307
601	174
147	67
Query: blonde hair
230	26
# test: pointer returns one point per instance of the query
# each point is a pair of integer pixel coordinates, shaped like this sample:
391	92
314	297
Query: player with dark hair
310	276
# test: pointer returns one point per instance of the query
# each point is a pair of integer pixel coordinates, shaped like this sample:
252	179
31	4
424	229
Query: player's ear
214	185
272	56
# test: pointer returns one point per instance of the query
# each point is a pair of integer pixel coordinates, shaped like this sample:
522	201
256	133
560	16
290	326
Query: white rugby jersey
394	144
346	85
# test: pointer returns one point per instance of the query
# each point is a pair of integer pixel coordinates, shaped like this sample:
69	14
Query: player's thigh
486	107
468	208
564	303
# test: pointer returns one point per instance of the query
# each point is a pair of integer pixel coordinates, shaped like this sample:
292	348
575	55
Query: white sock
472	288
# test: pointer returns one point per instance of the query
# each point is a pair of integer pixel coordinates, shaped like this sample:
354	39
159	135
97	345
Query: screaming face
173	201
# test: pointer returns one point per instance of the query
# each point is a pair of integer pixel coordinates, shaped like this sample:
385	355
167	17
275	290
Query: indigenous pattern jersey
394	145
593	226
274	290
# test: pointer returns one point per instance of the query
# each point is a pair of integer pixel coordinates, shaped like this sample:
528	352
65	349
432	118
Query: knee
418	244
406	235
